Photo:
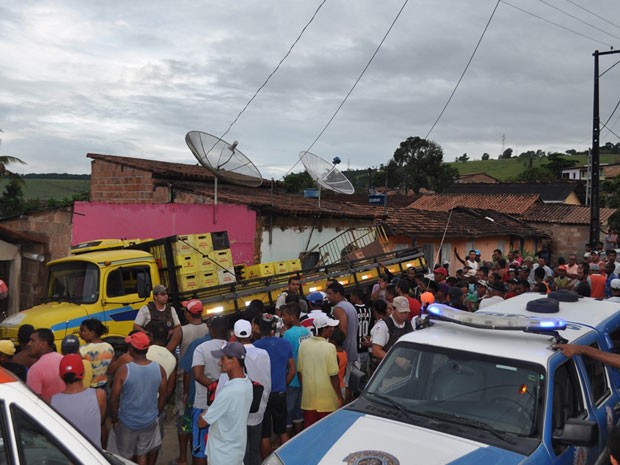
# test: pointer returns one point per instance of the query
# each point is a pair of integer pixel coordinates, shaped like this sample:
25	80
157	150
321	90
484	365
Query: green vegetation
45	188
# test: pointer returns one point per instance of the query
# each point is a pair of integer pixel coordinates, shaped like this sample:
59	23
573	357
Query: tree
486	156
420	163
6	160
506	154
610	197
463	158
557	163
536	174
12	200
295	183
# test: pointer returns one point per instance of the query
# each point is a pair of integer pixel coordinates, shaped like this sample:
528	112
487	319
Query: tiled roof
548	191
505	203
395	199
463	222
564	214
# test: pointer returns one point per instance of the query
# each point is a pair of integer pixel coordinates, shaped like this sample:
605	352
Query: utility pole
595	221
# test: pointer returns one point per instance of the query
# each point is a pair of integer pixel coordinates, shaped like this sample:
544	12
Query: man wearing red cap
83	406
138	397
440	274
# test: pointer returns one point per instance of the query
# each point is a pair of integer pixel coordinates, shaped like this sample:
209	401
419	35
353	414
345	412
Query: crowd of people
242	384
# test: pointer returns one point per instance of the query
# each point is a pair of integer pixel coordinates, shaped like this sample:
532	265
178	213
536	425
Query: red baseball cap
193	306
138	340
441	270
72	363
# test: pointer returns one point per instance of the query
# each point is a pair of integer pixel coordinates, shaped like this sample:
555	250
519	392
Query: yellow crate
222	257
205	263
188	263
366	275
183	245
280	267
261	270
207	279
226	276
202	242
188	282
293	265
314	285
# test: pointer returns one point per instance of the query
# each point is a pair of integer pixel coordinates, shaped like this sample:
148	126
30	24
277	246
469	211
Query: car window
125	280
35	444
597	378
567	400
5	440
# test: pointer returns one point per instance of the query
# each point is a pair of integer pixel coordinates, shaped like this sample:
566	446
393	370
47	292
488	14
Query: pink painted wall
95	220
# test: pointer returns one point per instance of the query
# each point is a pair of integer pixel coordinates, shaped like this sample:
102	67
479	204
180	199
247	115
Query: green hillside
45	189
505	169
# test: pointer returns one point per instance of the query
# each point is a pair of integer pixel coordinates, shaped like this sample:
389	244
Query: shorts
275	414
199	439
128	442
312	416
294	414
184	420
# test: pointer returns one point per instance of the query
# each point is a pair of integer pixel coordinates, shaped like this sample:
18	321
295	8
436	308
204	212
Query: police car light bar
506	323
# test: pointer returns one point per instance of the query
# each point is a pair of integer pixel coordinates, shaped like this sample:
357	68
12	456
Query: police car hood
350	437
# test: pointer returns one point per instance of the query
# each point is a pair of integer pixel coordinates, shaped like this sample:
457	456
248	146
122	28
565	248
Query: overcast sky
131	78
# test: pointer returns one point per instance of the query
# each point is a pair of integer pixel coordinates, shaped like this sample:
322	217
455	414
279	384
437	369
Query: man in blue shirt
282	372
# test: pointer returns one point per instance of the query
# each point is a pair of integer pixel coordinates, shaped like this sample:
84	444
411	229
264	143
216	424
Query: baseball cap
138	340
401	304
243	328
315	297
441	270
267	322
614	284
193	306
230	349
72	363
563	267
321	320
427	298
70	344
160	289
7	347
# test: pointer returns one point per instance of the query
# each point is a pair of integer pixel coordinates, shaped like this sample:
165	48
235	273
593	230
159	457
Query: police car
481	388
32	433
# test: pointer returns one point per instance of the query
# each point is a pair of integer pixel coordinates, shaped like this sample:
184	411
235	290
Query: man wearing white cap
317	368
258	368
615	290
387	331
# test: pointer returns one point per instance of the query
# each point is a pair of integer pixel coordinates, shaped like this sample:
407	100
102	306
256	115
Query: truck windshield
76	282
501	396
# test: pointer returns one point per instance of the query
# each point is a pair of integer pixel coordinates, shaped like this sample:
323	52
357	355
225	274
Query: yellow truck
111	279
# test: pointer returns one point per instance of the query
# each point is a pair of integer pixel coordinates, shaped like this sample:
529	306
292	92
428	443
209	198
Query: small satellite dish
224	160
326	174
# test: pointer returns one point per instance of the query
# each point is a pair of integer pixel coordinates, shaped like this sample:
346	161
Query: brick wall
115	183
566	239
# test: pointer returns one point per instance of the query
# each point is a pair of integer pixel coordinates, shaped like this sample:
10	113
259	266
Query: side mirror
576	432
357	380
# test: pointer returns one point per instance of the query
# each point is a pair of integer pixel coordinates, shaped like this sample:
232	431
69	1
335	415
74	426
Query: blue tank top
138	405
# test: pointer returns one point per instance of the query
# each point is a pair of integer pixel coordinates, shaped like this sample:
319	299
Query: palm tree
7	159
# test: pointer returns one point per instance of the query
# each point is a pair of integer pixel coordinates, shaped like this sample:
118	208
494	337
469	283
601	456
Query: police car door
567	400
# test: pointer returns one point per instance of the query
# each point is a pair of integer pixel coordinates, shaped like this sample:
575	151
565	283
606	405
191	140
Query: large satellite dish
325	174
224	160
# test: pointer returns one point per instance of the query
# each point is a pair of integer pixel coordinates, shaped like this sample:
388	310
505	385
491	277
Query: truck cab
486	387
109	285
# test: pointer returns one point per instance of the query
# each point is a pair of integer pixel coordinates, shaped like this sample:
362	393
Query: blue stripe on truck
125	313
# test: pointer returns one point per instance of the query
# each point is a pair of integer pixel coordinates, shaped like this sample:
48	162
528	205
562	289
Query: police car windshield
503	394
76	282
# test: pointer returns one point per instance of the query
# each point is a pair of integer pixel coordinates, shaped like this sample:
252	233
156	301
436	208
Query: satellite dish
326	174
224	160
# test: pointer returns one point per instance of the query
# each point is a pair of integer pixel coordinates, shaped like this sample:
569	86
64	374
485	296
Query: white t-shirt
380	333
473	265
144	316
202	356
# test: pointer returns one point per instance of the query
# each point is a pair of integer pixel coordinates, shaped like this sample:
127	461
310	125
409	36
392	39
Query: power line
359	78
592	13
464	71
578	19
609	68
611	131
555	24
275	69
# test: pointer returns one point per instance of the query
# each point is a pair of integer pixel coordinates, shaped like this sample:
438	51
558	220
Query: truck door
121	301
567	401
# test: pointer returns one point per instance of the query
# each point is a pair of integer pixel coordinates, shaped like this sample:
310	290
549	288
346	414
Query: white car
481	388
32	433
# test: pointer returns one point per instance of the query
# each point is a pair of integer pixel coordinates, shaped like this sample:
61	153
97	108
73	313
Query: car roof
109	256
581	318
